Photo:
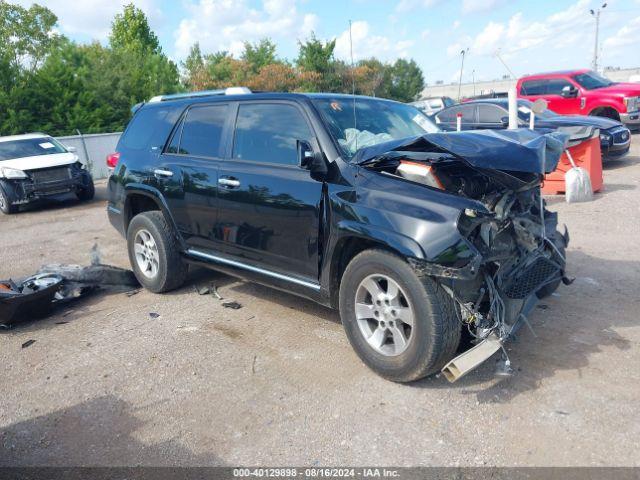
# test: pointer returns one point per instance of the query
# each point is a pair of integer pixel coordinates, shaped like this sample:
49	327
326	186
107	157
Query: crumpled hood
520	150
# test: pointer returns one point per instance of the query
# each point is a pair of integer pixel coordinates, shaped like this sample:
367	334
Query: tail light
419	172
112	159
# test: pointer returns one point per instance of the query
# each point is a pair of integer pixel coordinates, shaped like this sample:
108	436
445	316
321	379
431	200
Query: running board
472	358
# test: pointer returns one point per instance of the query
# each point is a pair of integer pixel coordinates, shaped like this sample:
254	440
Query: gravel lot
276	382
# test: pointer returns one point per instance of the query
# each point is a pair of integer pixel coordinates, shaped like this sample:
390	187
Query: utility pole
596	14
463	53
473	79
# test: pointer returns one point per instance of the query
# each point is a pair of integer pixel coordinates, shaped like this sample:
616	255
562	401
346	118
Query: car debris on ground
57	284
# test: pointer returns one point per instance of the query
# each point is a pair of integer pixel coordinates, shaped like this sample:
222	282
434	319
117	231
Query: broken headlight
12	173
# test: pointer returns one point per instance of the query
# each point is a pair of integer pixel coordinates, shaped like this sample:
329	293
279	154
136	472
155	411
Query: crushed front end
518	252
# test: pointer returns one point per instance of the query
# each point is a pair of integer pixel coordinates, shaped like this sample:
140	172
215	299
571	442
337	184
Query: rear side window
449	115
491	114
201	132
533	87
144	131
268	133
555	86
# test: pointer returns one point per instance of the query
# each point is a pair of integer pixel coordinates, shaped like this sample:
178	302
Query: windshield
377	121
524	111
31	147
592	80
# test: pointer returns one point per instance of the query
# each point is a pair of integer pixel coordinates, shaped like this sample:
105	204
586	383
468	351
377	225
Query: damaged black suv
357	203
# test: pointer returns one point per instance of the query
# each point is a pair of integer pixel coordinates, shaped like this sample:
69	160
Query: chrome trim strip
251	268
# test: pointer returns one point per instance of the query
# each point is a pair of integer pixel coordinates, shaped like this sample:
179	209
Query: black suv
357	203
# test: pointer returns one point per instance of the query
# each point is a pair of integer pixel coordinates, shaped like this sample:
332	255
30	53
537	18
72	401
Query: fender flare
396	242
155	195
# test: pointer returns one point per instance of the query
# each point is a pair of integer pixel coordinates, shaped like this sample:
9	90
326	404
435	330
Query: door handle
229	182
162	173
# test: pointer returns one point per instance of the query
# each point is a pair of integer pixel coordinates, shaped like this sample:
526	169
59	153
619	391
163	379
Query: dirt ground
276	382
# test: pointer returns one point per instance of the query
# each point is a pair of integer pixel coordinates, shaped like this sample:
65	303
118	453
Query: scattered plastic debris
154	315
29	298
28	343
208	290
232	305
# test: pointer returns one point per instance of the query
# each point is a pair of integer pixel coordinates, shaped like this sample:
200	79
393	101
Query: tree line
52	84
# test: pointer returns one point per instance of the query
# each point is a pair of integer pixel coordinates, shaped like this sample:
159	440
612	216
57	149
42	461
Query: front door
269	206
188	171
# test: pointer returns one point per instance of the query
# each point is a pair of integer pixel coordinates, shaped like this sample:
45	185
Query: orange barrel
586	155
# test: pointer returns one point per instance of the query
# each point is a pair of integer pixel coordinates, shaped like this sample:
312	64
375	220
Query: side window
491	114
449	115
144	131
201	131
268	133
555	86
533	87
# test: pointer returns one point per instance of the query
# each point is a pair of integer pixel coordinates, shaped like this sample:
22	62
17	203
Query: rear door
187	173
533	89
269	207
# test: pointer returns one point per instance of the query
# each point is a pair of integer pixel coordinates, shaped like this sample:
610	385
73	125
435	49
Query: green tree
406	80
130	31
317	56
260	54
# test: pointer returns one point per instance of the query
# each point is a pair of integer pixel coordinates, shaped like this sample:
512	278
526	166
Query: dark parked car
615	138
413	234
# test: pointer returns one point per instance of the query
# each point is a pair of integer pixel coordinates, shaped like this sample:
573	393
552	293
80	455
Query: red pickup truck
584	92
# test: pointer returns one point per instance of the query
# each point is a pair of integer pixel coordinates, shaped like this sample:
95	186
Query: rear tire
154	253
5	202
431	340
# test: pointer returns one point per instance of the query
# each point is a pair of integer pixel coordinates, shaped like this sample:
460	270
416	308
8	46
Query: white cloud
456	24
366	44
92	18
226	24
627	35
405	6
475	6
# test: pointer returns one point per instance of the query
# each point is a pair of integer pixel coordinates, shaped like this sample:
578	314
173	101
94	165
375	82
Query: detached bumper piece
30	298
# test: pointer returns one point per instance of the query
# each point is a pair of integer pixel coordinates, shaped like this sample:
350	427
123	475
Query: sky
529	35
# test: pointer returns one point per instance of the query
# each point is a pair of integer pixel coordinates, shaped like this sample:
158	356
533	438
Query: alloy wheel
384	315
146	252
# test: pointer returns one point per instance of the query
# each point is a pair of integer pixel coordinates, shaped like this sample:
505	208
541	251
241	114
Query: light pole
596	14
473	79
463	53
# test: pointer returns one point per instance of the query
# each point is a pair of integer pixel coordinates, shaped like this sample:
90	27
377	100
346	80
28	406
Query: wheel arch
608	111
142	198
350	244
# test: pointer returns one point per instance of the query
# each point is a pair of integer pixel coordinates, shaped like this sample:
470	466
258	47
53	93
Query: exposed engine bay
521	253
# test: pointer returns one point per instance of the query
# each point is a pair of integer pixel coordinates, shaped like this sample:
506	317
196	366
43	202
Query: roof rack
202	93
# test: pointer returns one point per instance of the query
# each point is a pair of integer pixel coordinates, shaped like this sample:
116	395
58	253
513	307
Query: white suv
34	166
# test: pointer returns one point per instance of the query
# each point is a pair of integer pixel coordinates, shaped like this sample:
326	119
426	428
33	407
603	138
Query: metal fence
93	150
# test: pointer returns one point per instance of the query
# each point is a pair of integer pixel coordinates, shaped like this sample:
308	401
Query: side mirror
311	159
504	121
569	92
71	149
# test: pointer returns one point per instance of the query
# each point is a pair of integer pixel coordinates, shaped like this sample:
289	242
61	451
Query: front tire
154	253
5	202
401	326
88	191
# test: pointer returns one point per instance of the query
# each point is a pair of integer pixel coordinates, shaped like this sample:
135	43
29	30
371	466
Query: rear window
31	147
144	129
